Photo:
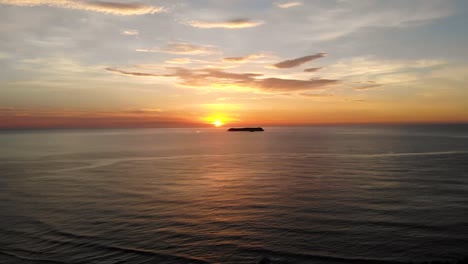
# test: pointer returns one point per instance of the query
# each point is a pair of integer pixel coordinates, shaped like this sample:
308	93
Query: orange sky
67	64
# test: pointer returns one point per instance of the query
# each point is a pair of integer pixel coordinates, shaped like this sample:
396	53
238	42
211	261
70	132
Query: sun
217	123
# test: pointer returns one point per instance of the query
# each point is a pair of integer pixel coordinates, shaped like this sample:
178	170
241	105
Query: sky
190	63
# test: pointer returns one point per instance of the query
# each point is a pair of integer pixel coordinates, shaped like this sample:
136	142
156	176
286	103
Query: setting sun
218	123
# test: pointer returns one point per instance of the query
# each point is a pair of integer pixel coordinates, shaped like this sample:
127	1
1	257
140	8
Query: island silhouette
245	129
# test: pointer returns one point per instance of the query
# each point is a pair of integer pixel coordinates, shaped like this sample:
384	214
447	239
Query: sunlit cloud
114	8
179	61
281	85
184	48
231	24
212	77
217	78
130	32
289	4
222	106
298	61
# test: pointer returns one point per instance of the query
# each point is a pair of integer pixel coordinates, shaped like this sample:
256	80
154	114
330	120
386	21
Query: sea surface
352	194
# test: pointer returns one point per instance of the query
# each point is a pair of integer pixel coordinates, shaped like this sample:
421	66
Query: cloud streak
282	85
243	59
289	4
316	95
114	8
312	69
298	61
145	111
184	48
39	118
230	24
179	61
367	87
130	32
349	17
135	73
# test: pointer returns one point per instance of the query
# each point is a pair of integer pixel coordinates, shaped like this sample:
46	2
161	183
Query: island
245	129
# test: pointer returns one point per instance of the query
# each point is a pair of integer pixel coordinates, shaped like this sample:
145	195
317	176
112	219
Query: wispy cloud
133	72
130	32
384	72
298	61
179	61
312	69
145	111
282	85
320	95
231	24
184	48
348	17
207	77
114	8
5	110
289	4
243	59
367	87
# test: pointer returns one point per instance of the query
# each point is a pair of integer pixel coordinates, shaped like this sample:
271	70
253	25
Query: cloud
299	61
316	95
354	100
312	69
212	77
63	118
130	32
134	73
381	71
4	109
179	61
184	48
289	4
367	87
7	111
150	111
231	24
243	59
348	17
208	77
114	8
280	85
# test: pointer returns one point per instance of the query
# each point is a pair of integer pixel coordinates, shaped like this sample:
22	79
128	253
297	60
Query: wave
34	260
51	234
97	163
281	256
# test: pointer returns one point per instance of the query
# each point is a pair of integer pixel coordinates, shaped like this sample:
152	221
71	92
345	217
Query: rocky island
245	129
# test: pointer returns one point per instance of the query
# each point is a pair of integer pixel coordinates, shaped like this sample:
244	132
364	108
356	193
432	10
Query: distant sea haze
351	194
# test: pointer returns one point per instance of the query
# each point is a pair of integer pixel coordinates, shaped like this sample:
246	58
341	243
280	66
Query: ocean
325	194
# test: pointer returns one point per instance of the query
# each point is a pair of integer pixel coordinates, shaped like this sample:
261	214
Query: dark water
296	195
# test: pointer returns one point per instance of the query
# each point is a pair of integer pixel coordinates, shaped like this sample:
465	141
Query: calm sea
296	195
